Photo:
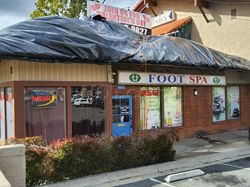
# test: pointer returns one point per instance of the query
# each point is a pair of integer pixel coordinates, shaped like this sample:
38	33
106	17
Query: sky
14	11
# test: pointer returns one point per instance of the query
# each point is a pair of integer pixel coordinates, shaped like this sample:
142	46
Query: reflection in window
218	103
150	108
233	102
87	110
45	113
2	115
172	106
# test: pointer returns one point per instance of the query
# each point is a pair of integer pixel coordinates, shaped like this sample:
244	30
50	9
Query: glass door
122	116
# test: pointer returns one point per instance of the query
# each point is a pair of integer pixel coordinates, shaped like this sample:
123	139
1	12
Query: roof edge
139	6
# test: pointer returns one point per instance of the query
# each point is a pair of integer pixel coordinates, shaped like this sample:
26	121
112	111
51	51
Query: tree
63	8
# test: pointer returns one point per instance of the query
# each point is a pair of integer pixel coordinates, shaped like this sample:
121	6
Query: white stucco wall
222	33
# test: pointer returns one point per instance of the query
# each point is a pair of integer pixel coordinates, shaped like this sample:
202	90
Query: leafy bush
81	156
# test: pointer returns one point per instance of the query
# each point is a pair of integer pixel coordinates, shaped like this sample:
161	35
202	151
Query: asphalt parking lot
236	173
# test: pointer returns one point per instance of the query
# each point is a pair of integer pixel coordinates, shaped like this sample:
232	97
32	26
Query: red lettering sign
41	98
126	17
150	93
198	79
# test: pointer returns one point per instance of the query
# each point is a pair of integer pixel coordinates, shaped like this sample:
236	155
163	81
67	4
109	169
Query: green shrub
82	156
123	153
155	147
28	141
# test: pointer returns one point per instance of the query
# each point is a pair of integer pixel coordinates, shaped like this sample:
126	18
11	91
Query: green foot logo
134	77
216	80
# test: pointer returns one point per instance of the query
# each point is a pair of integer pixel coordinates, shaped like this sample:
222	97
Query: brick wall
197	111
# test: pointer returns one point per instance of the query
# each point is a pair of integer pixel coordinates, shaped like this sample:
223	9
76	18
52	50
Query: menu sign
44	98
138	22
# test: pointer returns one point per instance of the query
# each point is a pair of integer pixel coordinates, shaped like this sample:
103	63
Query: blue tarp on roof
95	40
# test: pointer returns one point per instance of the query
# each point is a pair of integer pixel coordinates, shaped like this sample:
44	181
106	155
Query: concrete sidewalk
191	154
209	144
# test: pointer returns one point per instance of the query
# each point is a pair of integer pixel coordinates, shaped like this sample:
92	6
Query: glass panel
2	115
172	106
9	112
88	110
150	108
218	103
233	102
124	106
116	106
121	118
125	118
45	113
116	119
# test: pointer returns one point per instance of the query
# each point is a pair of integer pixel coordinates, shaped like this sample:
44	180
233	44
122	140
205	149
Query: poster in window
218	104
150	108
172	107
2	115
44	98
233	102
9	112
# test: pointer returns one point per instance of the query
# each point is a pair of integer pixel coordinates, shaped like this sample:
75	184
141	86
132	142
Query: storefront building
39	99
190	101
55	95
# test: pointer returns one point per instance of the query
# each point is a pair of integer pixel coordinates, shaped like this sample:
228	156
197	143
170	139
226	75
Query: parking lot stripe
236	166
160	182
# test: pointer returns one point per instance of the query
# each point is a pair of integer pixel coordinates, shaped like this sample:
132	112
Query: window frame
225	94
37	87
233	85
162	106
160	89
182	106
105	88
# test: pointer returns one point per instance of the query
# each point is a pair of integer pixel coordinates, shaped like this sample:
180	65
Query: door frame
130	97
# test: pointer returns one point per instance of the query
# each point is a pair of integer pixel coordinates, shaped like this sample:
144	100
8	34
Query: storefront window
45	112
2	115
218	103
233	102
150	116
172	107
88	110
9	112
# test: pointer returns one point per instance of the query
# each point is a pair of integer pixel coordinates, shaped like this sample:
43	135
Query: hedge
84	155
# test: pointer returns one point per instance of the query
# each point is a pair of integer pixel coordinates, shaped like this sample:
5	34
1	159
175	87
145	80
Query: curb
183	175
145	172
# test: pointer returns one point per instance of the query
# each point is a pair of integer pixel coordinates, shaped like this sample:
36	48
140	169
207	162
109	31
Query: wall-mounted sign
166	17
139	30
141	78
44	98
138	22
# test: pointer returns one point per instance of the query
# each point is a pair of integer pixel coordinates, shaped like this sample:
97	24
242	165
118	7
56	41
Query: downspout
202	4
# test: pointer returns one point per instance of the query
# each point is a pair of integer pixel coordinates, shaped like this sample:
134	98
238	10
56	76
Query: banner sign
140	21
167	17
44	98
141	78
